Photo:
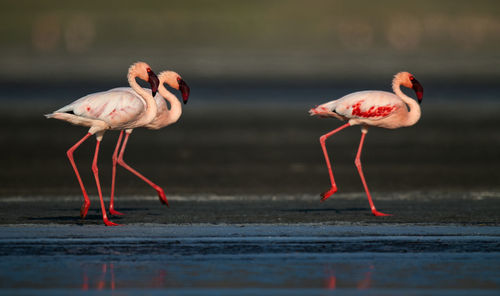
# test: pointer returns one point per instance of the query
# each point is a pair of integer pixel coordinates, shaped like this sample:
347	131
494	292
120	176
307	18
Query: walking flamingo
164	117
371	108
110	110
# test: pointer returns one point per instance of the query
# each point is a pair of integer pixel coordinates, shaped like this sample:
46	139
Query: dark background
254	68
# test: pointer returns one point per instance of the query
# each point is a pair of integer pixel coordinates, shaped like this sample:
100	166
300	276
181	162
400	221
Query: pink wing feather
115	107
365	104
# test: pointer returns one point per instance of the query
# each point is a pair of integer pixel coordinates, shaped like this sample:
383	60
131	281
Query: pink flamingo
164	117
371	108
110	110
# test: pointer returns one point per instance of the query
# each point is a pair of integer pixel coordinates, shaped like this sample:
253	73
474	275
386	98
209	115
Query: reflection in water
343	272
331	279
158	281
102	276
366	282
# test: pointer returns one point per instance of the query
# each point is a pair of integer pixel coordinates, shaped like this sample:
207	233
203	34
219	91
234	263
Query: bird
163	118
109	110
371	108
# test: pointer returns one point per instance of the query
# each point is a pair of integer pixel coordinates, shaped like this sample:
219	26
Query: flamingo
371	108
164	117
109	110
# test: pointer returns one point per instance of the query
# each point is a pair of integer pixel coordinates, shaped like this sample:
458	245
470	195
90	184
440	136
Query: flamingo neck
414	114
151	108
175	111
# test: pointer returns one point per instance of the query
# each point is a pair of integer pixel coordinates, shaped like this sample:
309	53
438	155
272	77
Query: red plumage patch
373	111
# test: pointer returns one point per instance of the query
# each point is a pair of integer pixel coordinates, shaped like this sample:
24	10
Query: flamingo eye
149	70
412	78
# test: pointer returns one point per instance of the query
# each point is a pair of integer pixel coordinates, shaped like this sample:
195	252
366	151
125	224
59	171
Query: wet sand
417	209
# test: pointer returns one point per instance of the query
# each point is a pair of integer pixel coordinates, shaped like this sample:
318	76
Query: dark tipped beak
184	88
154	81
419	90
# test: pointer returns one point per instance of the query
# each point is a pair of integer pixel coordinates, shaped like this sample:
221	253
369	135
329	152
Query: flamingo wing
368	104
115	107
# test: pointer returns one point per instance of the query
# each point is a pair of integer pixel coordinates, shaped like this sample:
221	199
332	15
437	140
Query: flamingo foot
325	195
113	212
162	197
84	209
380	214
109	223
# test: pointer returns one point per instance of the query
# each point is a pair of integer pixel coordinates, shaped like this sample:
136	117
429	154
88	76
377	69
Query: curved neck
150	113
175	106
414	113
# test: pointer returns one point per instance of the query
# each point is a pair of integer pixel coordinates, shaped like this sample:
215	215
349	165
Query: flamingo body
371	108
116	109
107	110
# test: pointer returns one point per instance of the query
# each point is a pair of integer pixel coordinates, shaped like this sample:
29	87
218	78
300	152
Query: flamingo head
144	72
175	80
154	81
408	80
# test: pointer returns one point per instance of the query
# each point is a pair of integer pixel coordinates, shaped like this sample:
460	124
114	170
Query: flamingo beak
154	81
419	90
184	88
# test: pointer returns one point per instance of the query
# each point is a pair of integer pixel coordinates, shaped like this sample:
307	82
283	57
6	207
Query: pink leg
360	170
113	177
322	140
161	193
86	204
96	175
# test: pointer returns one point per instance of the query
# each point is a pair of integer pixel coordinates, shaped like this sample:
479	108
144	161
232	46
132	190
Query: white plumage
370	108
117	108
110	110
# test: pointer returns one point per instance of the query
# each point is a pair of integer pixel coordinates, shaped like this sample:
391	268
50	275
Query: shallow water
250	259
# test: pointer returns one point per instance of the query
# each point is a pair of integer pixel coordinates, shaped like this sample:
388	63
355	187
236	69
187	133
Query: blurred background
254	68
211	40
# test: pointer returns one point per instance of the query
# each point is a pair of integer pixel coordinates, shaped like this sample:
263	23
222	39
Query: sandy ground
418	208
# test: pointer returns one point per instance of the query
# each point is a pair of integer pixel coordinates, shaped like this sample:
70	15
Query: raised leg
86	204
360	170
96	175
322	140
161	193
113	177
